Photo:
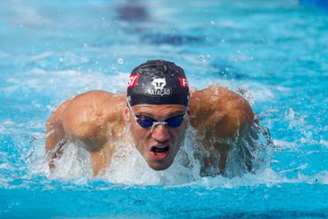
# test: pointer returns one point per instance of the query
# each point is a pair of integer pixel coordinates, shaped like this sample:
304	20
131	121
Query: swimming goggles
148	122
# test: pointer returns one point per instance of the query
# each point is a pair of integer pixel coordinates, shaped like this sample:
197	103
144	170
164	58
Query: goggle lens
147	122
175	121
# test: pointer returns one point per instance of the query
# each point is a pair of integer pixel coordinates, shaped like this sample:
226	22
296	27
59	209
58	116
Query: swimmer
156	111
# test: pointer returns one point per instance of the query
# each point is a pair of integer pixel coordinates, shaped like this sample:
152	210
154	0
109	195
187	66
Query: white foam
40	57
5	165
295	120
253	92
284	144
129	167
318	178
322	177
266	176
6	126
298	122
75	163
324	142
3	182
258	93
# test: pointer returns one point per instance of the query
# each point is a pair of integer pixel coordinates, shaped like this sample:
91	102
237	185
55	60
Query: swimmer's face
160	144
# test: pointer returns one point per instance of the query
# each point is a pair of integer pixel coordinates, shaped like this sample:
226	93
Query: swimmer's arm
94	121
80	119
55	134
219	115
94	118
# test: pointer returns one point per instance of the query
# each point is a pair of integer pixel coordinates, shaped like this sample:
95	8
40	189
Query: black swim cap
158	82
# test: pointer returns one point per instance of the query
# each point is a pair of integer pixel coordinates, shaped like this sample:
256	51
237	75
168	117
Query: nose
161	133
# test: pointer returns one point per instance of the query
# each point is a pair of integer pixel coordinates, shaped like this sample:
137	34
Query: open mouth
160	151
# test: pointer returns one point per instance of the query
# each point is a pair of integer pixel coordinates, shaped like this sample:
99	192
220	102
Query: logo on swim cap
159	83
183	82
159	87
133	80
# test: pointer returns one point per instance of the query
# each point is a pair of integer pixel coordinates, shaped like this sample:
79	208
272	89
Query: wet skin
96	119
160	136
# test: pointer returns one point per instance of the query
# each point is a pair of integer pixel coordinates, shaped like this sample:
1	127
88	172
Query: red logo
183	82
133	80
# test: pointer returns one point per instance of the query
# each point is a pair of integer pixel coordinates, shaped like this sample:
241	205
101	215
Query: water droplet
204	58
120	61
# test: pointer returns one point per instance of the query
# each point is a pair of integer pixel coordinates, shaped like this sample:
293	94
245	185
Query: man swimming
156	110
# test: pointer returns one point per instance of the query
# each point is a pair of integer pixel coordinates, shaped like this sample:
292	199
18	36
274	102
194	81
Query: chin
159	166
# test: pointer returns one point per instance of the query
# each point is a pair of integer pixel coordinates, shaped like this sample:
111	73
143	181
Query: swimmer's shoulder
95	101
95	96
93	116
221	109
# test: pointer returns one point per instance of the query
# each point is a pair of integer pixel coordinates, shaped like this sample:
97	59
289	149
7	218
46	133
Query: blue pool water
277	51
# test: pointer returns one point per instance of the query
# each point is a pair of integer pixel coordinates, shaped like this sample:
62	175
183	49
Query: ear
188	112
126	114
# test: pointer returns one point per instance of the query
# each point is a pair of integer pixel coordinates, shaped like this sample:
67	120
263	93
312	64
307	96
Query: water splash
129	167
250	152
